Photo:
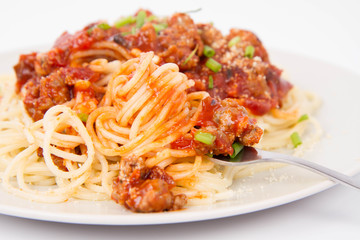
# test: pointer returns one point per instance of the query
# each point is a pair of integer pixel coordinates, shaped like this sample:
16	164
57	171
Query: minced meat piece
147	190
227	121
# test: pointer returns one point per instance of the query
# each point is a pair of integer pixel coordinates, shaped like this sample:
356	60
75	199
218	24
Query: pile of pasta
145	107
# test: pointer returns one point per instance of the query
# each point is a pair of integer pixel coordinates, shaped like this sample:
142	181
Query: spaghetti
111	119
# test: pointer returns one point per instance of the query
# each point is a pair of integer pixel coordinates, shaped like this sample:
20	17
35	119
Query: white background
326	30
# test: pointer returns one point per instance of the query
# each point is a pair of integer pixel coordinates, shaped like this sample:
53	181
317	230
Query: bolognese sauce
251	78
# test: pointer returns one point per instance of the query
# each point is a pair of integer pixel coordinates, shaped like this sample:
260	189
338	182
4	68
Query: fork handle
327	172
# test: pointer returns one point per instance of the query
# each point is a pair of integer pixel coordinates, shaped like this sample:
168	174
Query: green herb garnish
204	137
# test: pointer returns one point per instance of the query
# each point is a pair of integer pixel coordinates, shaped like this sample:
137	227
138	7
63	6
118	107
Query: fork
250	155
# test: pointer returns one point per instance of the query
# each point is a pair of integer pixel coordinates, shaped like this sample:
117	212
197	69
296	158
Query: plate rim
182	216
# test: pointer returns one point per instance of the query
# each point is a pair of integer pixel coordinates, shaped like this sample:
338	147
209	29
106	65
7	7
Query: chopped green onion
237	148
204	137
295	138
150	18
249	51
133	30
190	55
234	41
159	27
140	19
303	117
211	82
208	51
83	116
125	21
104	26
213	65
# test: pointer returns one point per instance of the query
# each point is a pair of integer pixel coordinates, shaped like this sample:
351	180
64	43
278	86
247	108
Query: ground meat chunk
174	44
129	165
48	62
58	161
249	38
227	121
209	34
147	190
41	94
179	40
53	91
233	118
25	70
145	39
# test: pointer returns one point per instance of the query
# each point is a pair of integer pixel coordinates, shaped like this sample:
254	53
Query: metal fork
250	155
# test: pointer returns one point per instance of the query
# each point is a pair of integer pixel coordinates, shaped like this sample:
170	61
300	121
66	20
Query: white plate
338	149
